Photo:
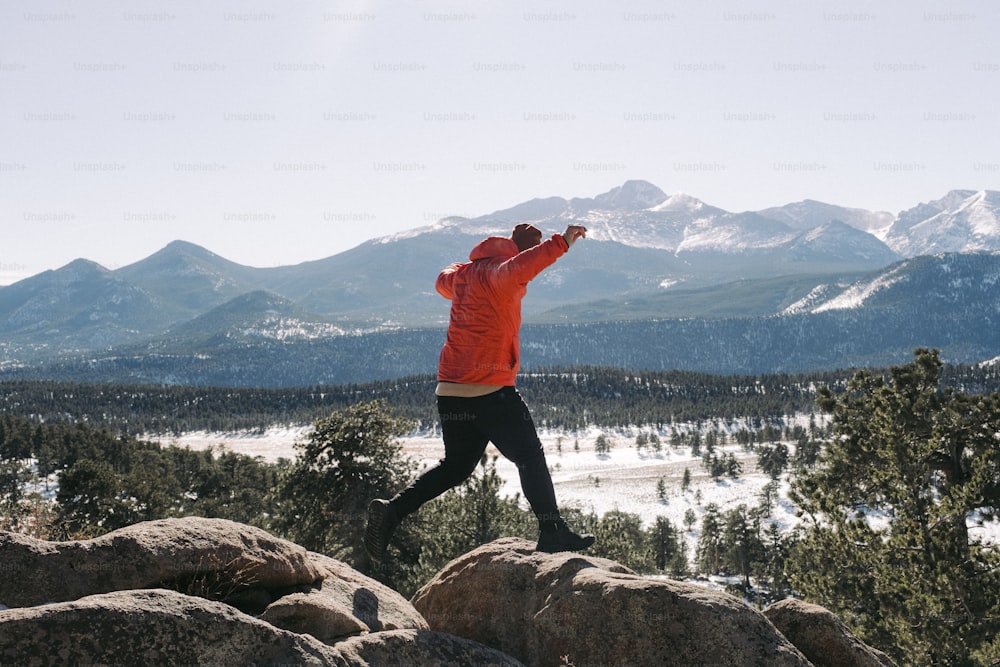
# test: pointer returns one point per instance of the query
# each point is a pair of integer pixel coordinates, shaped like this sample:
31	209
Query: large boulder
823	637
150	627
546	608
211	558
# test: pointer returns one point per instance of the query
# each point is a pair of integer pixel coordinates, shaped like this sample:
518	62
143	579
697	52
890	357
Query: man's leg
464	445
509	425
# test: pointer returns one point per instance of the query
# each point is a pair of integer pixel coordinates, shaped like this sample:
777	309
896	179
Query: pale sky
276	132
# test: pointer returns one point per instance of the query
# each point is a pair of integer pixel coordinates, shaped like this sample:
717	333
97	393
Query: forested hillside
561	398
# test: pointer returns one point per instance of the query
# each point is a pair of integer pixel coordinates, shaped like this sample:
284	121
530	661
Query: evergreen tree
690	518
741	544
621	538
806	452
711	441
710	548
89	500
776	549
229	485
349	458
922	460
641	441
773	460
731	465
678	566
768	496
676	441
696	444
654	440
668	548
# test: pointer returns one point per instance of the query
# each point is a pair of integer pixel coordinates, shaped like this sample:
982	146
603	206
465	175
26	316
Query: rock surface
823	637
150	627
209	591
212	558
543	608
161	627
344	603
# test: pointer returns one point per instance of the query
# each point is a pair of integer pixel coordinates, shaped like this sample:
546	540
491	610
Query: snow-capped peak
440	225
638	213
961	221
632	195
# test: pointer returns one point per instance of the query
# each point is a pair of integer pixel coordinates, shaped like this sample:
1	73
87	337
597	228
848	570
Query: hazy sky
284	131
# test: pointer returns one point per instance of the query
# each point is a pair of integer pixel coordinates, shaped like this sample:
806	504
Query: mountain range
651	262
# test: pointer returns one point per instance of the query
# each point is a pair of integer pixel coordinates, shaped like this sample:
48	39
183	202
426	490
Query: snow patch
679	202
806	303
856	295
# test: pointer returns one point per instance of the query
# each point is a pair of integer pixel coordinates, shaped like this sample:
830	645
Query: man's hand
574	232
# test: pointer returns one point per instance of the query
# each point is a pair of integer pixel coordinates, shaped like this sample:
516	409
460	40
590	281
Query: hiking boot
556	536
382	522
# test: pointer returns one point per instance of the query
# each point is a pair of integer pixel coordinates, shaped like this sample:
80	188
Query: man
477	401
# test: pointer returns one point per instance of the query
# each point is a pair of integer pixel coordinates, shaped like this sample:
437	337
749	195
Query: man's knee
457	470
530	458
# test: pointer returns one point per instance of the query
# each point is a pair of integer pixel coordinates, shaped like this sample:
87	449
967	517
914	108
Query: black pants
468	425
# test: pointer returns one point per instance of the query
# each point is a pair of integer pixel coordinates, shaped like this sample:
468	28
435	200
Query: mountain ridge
876	319
649	255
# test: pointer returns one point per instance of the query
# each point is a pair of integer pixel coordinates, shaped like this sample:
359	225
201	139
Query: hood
494	246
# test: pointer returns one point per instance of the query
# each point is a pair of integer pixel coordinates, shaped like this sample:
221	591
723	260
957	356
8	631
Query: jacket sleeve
446	280
524	266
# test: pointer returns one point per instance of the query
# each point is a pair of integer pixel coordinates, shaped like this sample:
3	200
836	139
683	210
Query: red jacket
483	344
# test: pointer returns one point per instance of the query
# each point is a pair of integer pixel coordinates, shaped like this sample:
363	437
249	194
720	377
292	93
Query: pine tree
773	460
742	548
690	518
776	547
666	544
696	444
621	538
654	440
888	547
349	458
731	465
709	551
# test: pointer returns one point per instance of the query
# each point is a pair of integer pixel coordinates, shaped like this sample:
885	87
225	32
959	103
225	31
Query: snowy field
623	479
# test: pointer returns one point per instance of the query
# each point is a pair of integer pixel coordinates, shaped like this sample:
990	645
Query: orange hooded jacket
483	343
